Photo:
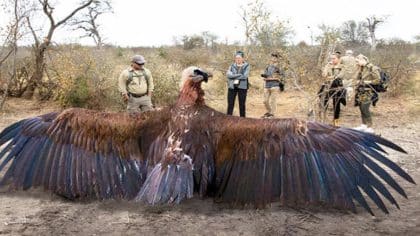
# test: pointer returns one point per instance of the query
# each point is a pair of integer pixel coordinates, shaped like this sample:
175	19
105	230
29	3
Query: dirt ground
36	212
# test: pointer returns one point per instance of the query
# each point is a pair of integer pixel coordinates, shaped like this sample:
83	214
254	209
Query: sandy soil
36	212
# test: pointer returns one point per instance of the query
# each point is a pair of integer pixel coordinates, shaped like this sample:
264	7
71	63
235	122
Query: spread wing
79	153
298	163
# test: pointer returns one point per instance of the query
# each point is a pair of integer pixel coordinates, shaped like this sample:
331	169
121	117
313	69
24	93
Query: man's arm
325	71
277	75
373	75
340	74
376	76
122	84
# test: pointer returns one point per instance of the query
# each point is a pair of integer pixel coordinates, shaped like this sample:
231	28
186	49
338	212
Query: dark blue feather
11	131
389	164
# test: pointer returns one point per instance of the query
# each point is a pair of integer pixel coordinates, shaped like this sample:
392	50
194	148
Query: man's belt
137	95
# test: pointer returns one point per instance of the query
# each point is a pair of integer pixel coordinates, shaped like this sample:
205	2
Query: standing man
274	83
350	72
136	86
368	75
237	80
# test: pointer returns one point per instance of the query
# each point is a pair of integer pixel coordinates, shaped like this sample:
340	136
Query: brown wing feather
299	164
80	153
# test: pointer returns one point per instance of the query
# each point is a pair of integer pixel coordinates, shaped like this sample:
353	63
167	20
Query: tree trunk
40	48
36	77
373	38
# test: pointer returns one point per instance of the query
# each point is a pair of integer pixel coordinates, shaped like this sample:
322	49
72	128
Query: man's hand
149	94
125	97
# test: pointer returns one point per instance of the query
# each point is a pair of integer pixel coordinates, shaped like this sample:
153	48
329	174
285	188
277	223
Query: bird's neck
191	94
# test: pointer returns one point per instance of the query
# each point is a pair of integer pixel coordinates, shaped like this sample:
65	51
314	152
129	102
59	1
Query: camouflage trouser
365	112
270	99
363	100
139	104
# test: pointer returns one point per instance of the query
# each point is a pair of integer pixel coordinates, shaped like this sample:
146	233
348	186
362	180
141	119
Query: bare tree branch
14	48
372	24
28	21
47	10
6	56
40	47
89	23
73	12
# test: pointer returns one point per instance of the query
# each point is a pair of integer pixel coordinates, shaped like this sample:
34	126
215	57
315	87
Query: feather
240	161
389	164
11	131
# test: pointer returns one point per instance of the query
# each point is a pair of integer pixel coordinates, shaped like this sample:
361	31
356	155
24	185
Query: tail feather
167	184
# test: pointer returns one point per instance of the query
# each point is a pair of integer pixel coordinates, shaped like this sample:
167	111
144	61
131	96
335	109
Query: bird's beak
201	75
198	78
207	76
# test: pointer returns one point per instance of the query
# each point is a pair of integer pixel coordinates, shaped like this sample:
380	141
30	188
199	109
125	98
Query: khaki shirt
330	72
138	84
349	70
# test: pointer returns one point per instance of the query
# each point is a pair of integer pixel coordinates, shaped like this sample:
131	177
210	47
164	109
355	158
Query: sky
157	22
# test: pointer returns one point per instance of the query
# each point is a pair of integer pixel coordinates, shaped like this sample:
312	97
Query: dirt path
35	212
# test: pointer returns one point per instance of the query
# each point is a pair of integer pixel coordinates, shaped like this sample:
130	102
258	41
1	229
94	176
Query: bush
166	78
87	77
81	78
18	84
77	95
394	58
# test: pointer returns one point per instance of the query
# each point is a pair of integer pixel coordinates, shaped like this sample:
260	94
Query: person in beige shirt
350	70
136	86
332	87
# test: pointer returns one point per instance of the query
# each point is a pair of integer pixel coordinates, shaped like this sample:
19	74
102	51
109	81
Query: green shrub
77	95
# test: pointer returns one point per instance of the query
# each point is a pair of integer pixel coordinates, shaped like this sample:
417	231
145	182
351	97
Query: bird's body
168	155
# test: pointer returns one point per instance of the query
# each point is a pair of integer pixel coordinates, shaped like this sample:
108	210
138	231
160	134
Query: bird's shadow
196	205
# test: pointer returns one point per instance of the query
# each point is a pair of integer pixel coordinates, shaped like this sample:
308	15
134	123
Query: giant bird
166	156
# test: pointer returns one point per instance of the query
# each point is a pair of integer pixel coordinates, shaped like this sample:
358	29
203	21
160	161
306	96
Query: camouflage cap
362	57
138	59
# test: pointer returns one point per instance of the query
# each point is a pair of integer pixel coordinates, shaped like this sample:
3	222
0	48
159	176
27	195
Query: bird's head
191	92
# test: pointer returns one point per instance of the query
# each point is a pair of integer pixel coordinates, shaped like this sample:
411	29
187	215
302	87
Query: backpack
130	78
385	78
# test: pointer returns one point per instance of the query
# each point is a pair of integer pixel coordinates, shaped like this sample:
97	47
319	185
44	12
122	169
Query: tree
10	33
328	40
417	38
10	45
354	33
261	29
193	41
209	39
41	45
88	22
372	24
